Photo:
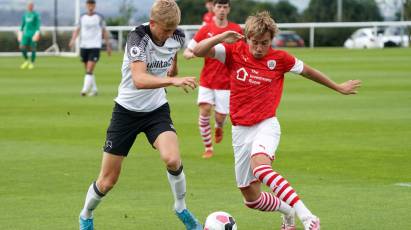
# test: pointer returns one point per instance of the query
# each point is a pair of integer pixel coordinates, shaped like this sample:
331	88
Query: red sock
205	131
266	202
277	184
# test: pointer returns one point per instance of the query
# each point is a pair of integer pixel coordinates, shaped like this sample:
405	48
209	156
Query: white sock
88	81
301	210
178	187
92	200
94	84
285	208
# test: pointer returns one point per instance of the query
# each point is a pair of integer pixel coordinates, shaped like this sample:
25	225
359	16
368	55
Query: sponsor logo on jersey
160	64
242	74
134	51
271	64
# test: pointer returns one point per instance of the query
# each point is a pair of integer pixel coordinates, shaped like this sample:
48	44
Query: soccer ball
220	221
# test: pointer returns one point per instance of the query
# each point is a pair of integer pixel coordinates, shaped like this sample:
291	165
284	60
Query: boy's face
161	32
259	45
209	6
90	7
221	11
30	7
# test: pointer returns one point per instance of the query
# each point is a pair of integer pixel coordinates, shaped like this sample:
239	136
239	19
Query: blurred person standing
29	35
213	93
209	16
91	28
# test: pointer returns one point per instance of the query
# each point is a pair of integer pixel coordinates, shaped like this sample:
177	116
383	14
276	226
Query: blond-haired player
256	88
141	106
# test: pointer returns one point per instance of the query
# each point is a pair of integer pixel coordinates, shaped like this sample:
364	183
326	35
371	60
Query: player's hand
188	54
71	43
349	87
19	36
231	37
185	82
36	37
109	51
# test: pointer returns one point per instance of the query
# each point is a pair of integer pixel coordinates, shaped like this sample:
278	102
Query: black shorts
125	125
90	54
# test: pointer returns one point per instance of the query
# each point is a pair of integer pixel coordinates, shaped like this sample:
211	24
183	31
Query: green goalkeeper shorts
27	39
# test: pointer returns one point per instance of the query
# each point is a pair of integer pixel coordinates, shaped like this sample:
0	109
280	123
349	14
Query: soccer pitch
348	157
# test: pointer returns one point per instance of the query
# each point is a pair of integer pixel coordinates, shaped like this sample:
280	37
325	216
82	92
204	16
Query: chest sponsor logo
210	34
134	51
271	64
254	78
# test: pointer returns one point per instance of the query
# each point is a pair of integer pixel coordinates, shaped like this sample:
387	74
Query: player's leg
92	86
222	100
161	134
262	154
120	137
33	54
205	103
23	48
109	173
91	64
167	145
88	80
263	201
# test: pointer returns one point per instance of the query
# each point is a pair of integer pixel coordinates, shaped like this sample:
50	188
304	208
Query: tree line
285	12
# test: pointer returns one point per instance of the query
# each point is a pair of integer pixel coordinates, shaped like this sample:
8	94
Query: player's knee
172	162
106	184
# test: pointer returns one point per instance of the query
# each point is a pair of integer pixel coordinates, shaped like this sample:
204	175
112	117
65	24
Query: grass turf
343	154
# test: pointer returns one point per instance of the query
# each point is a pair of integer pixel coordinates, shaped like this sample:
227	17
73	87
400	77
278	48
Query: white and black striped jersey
159	59
91	30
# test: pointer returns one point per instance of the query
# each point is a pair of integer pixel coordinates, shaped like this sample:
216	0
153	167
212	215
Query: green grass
343	154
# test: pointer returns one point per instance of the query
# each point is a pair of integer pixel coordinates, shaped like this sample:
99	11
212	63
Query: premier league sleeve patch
135	54
134	51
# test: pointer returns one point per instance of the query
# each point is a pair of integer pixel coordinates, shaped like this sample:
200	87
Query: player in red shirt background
209	16
256	88
214	79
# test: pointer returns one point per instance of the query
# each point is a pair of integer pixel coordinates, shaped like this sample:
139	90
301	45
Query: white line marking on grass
408	184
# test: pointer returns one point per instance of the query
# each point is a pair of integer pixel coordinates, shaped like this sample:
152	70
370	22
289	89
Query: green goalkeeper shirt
30	23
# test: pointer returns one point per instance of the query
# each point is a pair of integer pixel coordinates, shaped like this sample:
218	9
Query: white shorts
218	97
262	138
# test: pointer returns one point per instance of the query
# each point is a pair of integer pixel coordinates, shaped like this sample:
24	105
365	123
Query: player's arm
205	48
144	80
106	37
36	36
188	53
346	88
74	37
20	32
173	71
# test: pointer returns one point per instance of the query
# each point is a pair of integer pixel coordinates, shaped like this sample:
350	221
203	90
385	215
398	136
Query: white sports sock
285	208
301	210
88	81
92	200
178	187
94	84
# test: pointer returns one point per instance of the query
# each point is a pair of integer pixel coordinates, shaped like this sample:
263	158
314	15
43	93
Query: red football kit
214	74
256	84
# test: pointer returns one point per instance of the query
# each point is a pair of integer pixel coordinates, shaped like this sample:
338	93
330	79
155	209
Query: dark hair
91	2
221	2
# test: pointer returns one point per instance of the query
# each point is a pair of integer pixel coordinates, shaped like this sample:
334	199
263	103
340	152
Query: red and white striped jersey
256	84
214	75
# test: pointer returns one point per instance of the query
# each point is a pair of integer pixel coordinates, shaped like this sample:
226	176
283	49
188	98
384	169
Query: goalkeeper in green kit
29	35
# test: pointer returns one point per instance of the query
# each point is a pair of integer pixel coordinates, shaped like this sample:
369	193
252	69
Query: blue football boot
86	224
189	220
